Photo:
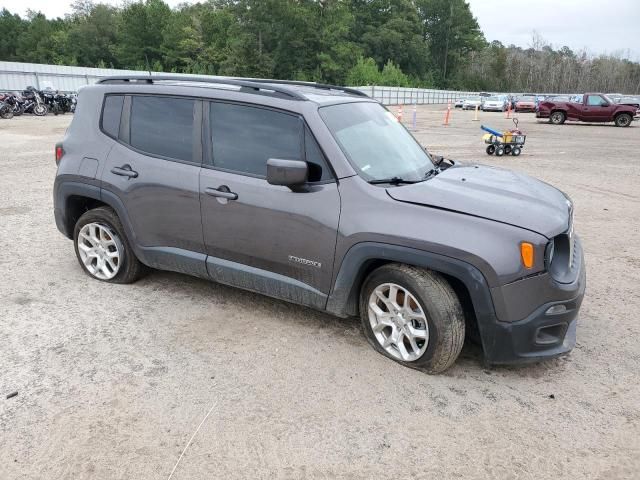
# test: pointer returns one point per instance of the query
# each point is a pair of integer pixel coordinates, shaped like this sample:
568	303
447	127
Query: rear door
264	237
154	169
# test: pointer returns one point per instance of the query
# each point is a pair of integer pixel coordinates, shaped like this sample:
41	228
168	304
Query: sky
611	27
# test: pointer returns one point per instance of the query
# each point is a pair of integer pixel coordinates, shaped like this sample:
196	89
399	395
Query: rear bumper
548	331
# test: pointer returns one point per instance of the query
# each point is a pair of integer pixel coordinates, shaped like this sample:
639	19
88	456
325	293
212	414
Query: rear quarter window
111	113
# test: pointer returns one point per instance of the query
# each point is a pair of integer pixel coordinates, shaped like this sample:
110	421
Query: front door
258	236
154	170
596	109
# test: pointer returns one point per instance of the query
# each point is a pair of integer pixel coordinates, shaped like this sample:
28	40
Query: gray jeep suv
316	195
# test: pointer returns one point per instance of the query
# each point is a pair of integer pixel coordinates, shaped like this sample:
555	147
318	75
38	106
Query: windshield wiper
431	173
393	181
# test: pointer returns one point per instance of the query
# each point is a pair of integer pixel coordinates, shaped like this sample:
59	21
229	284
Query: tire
557	118
507	149
516	151
129	269
499	151
17	112
6	112
442	324
40	110
491	149
623	120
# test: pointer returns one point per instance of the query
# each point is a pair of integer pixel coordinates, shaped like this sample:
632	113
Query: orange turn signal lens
526	253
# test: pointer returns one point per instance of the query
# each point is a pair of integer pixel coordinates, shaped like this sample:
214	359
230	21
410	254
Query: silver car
497	103
471	103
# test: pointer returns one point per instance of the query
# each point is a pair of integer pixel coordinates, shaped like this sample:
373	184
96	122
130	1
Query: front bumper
548	327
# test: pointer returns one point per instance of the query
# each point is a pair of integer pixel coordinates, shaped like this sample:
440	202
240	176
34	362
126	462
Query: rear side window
163	126
111	114
244	138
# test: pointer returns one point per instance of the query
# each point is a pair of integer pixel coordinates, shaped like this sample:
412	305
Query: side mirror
289	173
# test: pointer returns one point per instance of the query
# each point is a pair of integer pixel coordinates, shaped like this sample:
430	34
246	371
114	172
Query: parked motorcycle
15	101
33	102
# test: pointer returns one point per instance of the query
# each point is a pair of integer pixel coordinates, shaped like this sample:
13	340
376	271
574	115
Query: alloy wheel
398	322
100	250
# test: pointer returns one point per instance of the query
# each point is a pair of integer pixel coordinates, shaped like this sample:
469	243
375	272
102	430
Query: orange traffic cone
447	115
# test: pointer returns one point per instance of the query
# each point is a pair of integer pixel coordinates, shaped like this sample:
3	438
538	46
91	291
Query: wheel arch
72	199
617	114
362	258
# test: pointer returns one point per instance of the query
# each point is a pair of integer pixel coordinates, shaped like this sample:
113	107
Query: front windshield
375	143
527	99
494	99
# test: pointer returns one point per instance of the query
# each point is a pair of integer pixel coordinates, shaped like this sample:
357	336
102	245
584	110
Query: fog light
556	309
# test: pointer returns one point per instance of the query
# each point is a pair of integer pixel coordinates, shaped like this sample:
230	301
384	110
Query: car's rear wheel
102	247
557	118
412	316
623	120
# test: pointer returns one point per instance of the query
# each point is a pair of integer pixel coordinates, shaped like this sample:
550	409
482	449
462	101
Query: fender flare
343	299
66	189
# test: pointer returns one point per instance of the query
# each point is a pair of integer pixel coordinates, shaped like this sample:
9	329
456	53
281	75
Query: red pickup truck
591	107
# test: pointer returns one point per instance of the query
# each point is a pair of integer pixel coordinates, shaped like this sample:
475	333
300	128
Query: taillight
59	153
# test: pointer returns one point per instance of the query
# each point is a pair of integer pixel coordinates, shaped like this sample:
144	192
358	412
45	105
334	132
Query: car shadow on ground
346	329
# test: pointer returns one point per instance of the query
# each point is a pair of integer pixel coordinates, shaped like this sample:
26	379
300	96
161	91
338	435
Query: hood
492	193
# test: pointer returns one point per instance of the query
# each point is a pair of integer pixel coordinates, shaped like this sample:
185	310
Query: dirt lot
113	381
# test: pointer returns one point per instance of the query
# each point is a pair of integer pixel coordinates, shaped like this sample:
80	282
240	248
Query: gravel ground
113	381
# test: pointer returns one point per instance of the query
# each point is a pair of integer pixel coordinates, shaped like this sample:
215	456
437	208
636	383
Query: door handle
222	191
124	171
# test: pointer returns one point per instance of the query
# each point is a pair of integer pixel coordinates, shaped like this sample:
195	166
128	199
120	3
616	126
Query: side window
595	100
318	167
163	126
244	137
111	114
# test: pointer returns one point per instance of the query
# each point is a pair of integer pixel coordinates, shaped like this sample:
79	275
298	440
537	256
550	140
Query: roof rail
322	86
246	84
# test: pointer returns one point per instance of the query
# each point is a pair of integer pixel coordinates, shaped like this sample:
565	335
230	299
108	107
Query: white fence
17	76
410	96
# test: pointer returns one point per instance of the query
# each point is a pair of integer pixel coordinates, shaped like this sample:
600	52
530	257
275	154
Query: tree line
420	43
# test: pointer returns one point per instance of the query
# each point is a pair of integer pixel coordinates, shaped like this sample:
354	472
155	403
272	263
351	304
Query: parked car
526	103
458	103
471	103
497	103
629	100
317	195
592	107
559	98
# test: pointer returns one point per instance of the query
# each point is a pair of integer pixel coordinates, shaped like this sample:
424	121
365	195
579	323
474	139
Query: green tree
364	72
11	28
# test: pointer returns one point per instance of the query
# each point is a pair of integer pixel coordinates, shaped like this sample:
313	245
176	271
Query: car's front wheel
623	120
412	316
102	247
